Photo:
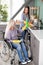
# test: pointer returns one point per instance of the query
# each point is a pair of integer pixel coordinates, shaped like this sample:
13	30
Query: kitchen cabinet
35	49
37	46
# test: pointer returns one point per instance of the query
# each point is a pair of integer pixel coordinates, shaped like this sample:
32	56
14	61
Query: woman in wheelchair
11	34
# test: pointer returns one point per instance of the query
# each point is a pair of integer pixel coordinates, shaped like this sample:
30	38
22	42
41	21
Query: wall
16	5
32	3
40	4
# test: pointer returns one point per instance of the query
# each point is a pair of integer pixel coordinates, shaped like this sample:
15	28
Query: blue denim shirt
23	18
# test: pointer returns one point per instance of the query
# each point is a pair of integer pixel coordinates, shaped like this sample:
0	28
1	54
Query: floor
8	63
30	63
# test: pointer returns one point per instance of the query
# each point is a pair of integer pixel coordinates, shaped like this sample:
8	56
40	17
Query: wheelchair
7	52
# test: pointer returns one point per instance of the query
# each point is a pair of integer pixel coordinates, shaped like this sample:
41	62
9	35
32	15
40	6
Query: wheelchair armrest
9	44
6	40
19	36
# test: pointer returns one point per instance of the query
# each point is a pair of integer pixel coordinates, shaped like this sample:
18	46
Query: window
13	7
16	4
7	2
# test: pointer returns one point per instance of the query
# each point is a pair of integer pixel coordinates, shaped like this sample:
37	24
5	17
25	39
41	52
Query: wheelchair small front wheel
4	51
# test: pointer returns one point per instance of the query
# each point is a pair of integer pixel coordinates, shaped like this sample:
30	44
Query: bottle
27	23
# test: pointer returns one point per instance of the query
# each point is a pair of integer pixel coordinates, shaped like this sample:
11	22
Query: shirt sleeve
22	17
8	35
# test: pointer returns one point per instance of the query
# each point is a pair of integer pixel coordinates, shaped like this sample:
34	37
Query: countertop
3	23
37	33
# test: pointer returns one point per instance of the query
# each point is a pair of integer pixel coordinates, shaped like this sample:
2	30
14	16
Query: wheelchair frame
9	47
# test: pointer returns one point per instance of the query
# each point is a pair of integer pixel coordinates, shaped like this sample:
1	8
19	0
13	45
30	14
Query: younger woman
25	16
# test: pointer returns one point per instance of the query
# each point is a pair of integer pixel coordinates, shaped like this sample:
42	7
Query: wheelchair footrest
21	64
12	61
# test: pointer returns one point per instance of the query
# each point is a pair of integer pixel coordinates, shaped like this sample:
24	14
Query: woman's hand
17	22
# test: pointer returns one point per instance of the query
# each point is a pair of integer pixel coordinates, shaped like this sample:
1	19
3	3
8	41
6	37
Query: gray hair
10	23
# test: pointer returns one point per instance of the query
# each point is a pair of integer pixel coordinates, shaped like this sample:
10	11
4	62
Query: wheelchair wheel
4	51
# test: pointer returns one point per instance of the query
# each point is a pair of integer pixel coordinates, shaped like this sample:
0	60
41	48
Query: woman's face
12	28
26	11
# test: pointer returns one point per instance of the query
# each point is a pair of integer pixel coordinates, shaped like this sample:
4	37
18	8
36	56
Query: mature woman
11	34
